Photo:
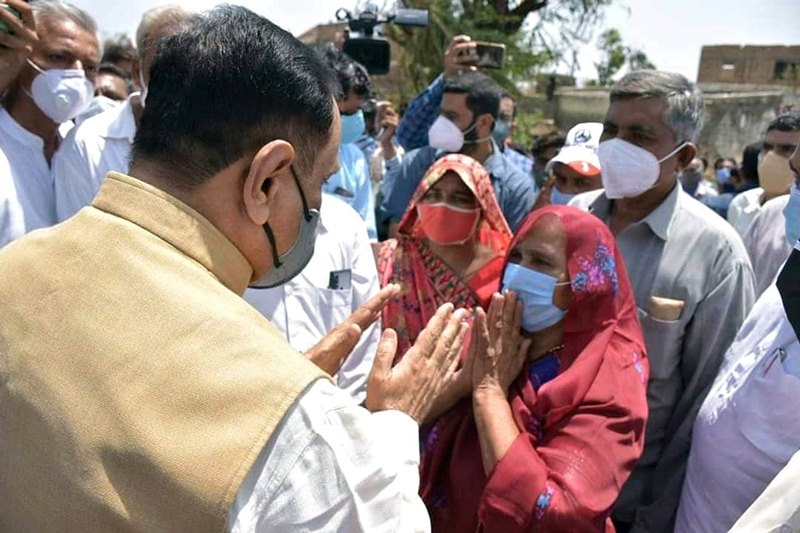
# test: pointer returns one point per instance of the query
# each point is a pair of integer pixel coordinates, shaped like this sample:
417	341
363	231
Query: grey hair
155	19
684	112
46	9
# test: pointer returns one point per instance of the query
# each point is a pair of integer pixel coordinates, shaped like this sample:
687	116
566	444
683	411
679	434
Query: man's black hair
116	51
229	83
483	94
349	73
789	121
506	94
750	162
553	139
720	160
114	70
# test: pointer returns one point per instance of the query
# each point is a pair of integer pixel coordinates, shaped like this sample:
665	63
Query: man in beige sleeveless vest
138	391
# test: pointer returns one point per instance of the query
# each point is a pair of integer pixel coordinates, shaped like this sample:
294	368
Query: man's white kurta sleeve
334	466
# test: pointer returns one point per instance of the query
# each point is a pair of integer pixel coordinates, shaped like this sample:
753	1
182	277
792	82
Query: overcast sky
671	32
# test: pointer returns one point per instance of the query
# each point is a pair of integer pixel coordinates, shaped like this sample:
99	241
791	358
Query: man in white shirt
102	143
766	244
744	209
12	220
340	278
781	137
50	88
749	419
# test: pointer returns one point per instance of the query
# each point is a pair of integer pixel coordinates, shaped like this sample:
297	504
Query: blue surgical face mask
559	198
535	291
791	215
723	176
352	127
502	129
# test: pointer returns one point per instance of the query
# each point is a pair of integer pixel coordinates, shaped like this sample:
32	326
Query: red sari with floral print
581	412
425	281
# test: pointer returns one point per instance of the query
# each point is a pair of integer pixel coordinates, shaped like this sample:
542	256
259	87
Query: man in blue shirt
412	132
468	112
351	183
502	135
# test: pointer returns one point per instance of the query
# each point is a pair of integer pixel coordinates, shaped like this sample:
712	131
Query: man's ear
269	173
686	155
486	122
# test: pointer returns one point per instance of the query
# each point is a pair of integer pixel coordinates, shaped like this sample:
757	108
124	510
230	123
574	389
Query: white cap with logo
580	150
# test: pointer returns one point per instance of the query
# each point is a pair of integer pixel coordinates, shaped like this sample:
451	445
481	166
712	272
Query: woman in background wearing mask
450	247
558	410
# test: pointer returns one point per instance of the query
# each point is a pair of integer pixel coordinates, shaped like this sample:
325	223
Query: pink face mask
444	224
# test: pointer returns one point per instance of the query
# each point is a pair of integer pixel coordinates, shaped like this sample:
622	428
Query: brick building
757	65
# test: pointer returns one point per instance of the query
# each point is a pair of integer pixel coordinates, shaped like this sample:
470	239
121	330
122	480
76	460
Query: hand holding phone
4	28
458	56
17	39
490	55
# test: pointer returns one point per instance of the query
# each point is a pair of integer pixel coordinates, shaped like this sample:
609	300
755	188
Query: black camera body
364	46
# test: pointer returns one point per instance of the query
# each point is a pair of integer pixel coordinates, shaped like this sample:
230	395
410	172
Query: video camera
373	51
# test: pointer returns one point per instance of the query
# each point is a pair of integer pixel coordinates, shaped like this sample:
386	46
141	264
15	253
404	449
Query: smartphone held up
487	55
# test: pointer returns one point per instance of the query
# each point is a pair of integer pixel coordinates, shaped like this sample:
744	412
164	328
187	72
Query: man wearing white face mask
102	143
690	273
52	87
468	114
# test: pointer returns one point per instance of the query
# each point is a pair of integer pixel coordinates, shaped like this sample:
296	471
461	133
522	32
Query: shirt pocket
663	339
335	305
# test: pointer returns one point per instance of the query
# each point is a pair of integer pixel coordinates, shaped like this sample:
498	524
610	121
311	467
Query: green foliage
615	56
525	124
530	46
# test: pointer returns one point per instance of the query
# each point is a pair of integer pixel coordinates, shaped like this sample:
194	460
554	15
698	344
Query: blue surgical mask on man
352	127
559	198
791	215
502	129
535	290
723	176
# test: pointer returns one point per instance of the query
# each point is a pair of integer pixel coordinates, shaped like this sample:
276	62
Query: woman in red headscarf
556	420
450	247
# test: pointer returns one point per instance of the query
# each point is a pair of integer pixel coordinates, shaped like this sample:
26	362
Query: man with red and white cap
575	169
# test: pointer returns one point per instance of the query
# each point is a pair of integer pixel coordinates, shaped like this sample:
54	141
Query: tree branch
526	7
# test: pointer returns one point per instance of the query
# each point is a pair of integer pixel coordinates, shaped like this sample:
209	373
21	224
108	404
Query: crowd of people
239	292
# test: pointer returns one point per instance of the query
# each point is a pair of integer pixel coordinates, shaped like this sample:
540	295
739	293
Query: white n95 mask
61	94
629	171
445	135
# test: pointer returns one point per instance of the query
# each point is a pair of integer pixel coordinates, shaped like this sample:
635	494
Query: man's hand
460	56
414	384
330	353
545	194
387	120
17	44
498	350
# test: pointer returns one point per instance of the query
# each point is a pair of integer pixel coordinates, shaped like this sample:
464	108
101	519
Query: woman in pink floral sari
450	247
